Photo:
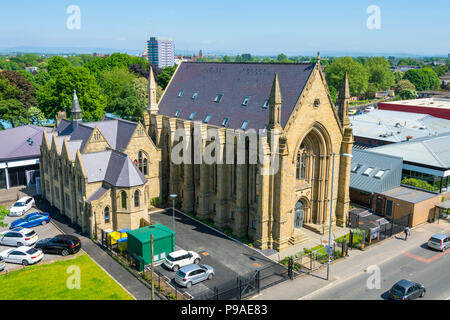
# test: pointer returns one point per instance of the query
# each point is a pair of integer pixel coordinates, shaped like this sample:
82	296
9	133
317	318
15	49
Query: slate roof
14	144
98	193
431	151
113	167
370	183
235	81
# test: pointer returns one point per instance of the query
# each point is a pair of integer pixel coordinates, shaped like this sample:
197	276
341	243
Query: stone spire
152	105
275	101
76	111
343	101
318	57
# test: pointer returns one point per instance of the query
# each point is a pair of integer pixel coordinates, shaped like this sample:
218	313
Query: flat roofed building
437	107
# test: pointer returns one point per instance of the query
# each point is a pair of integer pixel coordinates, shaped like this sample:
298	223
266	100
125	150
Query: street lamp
347	155
173	196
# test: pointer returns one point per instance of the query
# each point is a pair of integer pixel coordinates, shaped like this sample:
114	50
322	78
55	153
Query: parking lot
228	258
45	231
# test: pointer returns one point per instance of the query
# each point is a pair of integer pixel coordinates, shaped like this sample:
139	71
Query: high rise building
161	52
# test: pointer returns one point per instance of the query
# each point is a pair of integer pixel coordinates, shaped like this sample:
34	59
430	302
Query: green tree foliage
333	93
418	184
112	83
165	76
409	62
380	73
118	60
36	116
441	70
58	92
407	94
129	104
227	59
398	75
11	109
357	74
403	85
281	57
56	65
423	79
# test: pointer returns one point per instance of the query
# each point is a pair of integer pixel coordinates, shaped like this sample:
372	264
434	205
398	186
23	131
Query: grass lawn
49	282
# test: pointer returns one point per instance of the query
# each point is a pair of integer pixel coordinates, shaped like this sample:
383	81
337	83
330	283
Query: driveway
229	258
46	231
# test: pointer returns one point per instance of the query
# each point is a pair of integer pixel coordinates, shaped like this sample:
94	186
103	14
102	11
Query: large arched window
142	163
124	200
107	215
136	198
301	164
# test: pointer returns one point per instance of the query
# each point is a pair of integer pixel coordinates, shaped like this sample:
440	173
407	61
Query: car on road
352	112
2	264
21	206
368	109
23	255
181	258
31	220
18	237
61	244
192	274
439	242
407	290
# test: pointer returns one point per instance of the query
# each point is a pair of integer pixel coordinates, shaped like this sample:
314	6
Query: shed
139	244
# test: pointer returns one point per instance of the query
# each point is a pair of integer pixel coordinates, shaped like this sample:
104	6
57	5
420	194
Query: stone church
107	174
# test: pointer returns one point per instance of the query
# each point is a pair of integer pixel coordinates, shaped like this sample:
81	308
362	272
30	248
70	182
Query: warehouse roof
237	91
372	172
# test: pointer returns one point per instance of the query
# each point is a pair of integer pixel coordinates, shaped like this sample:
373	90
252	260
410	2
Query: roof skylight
218	97
192	116
244	125
208	117
194	96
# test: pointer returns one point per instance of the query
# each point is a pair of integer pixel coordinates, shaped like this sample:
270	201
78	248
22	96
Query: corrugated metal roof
235	81
433	151
392	167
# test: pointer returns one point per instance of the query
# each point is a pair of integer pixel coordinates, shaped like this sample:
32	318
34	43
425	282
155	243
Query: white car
18	237
21	206
181	258
368	109
23	255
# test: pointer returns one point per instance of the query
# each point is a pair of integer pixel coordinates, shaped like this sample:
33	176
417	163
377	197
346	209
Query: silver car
193	273
2	264
439	242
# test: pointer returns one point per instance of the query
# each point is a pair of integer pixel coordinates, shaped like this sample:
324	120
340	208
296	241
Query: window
379	174
266	104
218	98
232	215
194	96
356	168
253	224
244	125
177	113
192	116
107	215
145	166
368	171
316	103
136	198
208	117
141	163
180	93
124	200
301	165
225	121
246	100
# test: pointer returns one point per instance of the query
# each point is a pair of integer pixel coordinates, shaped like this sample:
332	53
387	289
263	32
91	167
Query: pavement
396	258
230	259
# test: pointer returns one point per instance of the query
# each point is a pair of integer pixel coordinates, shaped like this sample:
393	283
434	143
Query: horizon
234	27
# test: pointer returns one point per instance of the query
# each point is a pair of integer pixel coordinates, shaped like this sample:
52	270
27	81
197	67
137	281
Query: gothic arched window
106	214
124	200
136	198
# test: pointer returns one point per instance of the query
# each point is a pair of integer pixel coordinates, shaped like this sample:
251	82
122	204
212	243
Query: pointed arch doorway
299	215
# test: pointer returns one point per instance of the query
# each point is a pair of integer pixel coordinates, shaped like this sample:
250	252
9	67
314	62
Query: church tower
343	101
76	111
152	104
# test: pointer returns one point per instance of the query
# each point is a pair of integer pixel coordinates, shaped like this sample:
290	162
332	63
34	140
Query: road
429	268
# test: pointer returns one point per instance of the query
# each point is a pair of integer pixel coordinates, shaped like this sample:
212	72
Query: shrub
3	213
155	202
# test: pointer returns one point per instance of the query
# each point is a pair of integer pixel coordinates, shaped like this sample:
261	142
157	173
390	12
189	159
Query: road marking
256	265
205	253
422	259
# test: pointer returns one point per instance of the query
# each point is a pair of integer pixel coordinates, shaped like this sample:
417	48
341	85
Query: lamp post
173	196
347	155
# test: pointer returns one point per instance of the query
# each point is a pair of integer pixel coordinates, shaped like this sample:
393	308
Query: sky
234	26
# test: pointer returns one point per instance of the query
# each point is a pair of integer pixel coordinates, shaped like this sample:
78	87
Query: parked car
18	237
352	112
31	220
406	290
359	111
439	242
368	109
21	206
192	274
23	255
2	264
181	258
61	244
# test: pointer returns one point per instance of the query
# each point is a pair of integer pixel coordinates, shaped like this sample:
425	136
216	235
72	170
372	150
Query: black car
62	244
406	290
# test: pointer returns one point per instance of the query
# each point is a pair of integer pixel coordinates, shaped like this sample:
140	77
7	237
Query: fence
313	260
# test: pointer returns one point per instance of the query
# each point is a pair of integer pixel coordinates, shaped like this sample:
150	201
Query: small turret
76	111
275	101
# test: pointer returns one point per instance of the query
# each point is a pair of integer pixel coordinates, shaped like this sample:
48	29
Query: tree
408	94
12	109
281	57
333	93
404	85
27	93
423	79
36	116
357	74
165	76
246	57
129	104
398	75
441	70
56	65
227	59
380	73
58	92
112	83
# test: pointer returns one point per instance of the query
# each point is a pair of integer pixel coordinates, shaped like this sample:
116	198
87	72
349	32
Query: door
379	206
298	216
